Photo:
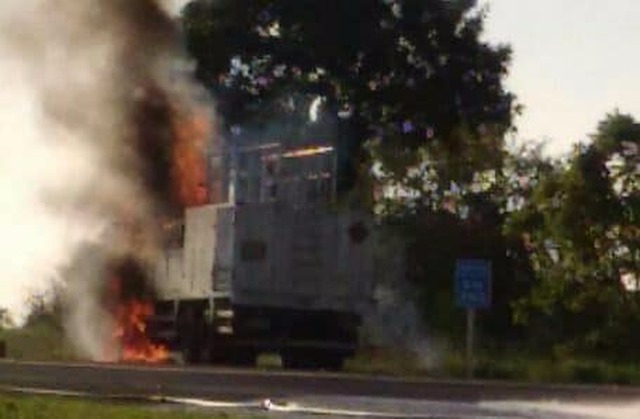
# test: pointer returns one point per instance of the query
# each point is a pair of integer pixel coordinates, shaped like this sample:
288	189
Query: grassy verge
505	366
560	370
384	361
56	408
42	340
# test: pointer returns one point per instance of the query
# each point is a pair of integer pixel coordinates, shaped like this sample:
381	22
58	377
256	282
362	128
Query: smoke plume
173	7
100	128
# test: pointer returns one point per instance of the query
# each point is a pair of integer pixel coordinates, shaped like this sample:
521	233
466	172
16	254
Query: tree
417	105
5	319
411	79
471	224
581	224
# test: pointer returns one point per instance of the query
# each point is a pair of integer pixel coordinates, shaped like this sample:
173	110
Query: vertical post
471	316
334	177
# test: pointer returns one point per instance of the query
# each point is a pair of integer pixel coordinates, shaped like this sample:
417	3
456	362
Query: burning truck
271	264
154	251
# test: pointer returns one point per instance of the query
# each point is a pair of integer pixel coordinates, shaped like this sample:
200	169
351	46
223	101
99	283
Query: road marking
284	407
43	392
266	404
215	404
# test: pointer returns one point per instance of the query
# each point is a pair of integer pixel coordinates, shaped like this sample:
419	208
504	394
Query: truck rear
285	272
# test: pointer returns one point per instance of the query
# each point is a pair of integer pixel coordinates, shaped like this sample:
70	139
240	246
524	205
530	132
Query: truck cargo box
266	254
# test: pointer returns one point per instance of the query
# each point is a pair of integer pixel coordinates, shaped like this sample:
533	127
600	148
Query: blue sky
574	61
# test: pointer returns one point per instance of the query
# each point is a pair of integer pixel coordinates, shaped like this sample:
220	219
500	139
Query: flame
307	152
130	333
190	130
188	169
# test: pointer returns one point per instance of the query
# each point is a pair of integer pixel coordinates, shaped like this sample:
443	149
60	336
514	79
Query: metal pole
334	180
471	316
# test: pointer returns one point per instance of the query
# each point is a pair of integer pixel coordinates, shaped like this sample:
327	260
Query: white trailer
272	275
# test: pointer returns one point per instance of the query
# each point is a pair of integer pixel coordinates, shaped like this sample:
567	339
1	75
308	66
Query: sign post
473	292
469	360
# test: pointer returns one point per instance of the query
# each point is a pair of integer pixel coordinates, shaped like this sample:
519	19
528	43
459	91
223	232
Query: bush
39	340
384	361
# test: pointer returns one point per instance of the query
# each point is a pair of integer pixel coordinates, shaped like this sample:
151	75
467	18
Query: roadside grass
565	370
509	366
27	407
43	340
269	361
40	340
385	361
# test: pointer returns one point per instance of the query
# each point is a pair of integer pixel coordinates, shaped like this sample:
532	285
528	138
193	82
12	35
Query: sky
574	61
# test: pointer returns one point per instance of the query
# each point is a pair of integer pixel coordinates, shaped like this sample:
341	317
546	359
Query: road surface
293	394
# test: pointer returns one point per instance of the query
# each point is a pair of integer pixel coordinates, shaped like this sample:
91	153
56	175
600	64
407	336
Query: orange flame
130	333
307	152
189	174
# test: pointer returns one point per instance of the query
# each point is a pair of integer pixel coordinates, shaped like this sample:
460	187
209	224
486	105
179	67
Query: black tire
192	337
333	362
312	360
242	357
190	355
191	347
295	361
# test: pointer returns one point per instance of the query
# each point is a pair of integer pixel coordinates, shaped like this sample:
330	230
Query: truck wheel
191	352
312	360
243	357
191	329
332	362
296	361
216	356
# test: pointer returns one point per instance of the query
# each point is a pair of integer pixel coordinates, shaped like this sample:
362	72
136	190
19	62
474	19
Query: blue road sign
473	283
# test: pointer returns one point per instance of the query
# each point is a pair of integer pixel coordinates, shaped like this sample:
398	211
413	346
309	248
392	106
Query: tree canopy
400	76
582	229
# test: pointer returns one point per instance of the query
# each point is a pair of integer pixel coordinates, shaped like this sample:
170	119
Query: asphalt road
243	385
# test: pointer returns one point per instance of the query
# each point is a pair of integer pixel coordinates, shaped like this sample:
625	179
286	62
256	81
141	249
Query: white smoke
73	72
173	7
34	160
394	320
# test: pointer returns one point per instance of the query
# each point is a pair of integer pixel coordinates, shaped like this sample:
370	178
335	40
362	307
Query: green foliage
410	78
563	238
581	228
5	319
436	240
381	361
41	338
525	367
509	363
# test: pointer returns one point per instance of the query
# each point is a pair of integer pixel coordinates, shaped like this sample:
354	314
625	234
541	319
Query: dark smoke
92	91
127	280
152	121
